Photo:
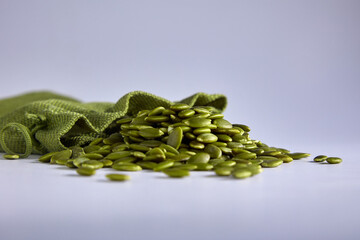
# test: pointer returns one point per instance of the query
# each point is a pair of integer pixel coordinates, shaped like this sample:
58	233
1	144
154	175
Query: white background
290	70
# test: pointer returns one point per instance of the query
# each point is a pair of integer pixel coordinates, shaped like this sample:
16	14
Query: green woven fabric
41	122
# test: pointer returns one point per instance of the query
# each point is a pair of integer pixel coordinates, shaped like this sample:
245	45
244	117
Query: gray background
290	69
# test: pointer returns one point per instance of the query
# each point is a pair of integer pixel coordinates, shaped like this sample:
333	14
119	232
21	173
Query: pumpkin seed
126	167
86	171
177	172
320	158
334	160
207	138
117	177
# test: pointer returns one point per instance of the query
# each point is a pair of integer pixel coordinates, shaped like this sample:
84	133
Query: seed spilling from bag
174	141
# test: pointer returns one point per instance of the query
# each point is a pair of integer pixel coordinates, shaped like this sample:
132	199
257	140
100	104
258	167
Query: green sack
41	122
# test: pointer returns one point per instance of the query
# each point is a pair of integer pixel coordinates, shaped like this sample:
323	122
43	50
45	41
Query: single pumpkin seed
176	172
207	138
320	158
298	155
117	177
126	167
179	107
271	163
222	123
197	122
92	164
201	157
84	171
199	131
334	160
223	171
241	173
175	138
213	150
186	113
163	165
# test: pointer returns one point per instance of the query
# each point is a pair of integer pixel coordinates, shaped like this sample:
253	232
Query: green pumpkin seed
93	156
124	120
224	137
213	151
77	151
199	131
226	150
70	164
233	145
128	159
106	162
80	160
61	161
216	116
149	144
241	173
203	166
271	163
320	158
157	119
139	154
240	150
169	148
150	133
176	172
118	155
92	164
186	113
201	110
298	155
96	141
284	158
179	107
175	138
147	164
156	111
245	155
228	163
197	122
254	169
168	112
126	167
334	160
207	138
220	144
201	157
201	115
142	148
86	171
216	161
163	165
196	145
190	136
120	147
46	157
143	113
117	177
187	166
223	171
62	155
222	123
243	127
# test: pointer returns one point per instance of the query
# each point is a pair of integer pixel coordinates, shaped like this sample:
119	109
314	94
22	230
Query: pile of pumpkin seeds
174	141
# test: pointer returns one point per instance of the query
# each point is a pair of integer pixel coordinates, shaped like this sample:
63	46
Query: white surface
299	200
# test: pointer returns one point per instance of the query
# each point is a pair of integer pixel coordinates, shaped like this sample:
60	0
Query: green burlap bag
41	122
